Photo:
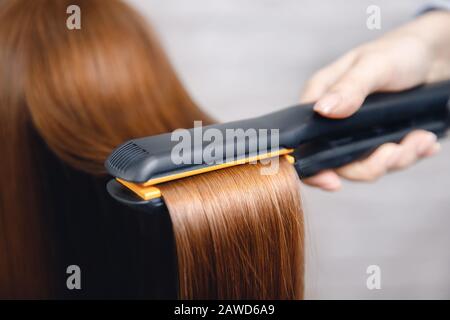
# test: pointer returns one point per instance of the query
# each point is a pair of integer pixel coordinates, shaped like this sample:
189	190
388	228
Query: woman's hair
239	234
67	99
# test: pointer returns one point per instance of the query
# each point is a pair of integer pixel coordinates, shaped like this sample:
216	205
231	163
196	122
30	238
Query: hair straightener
311	142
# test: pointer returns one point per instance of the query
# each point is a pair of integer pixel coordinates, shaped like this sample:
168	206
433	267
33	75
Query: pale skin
416	53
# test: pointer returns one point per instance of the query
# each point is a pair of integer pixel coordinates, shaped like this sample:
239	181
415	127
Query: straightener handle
315	157
300	124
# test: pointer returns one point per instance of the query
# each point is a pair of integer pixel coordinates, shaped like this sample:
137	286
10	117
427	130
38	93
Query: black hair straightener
312	142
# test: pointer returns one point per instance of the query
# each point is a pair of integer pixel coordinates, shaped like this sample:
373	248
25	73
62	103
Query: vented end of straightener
130	162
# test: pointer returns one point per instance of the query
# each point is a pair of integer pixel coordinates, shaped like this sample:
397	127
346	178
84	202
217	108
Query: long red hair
68	98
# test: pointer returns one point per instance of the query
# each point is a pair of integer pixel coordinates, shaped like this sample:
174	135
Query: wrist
433	28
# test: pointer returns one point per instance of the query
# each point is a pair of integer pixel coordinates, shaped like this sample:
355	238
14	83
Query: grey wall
241	58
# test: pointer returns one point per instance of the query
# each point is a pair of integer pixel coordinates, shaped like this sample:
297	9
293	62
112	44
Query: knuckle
351	89
406	160
361	171
318	78
372	171
355	101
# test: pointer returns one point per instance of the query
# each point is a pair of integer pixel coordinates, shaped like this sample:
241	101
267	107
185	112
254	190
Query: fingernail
423	147
327	103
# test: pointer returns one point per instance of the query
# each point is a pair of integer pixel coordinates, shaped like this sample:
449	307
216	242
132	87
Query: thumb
347	94
323	79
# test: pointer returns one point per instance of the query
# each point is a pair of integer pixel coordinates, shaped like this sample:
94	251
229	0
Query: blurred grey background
242	58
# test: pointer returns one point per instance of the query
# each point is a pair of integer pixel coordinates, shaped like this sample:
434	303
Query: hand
416	53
